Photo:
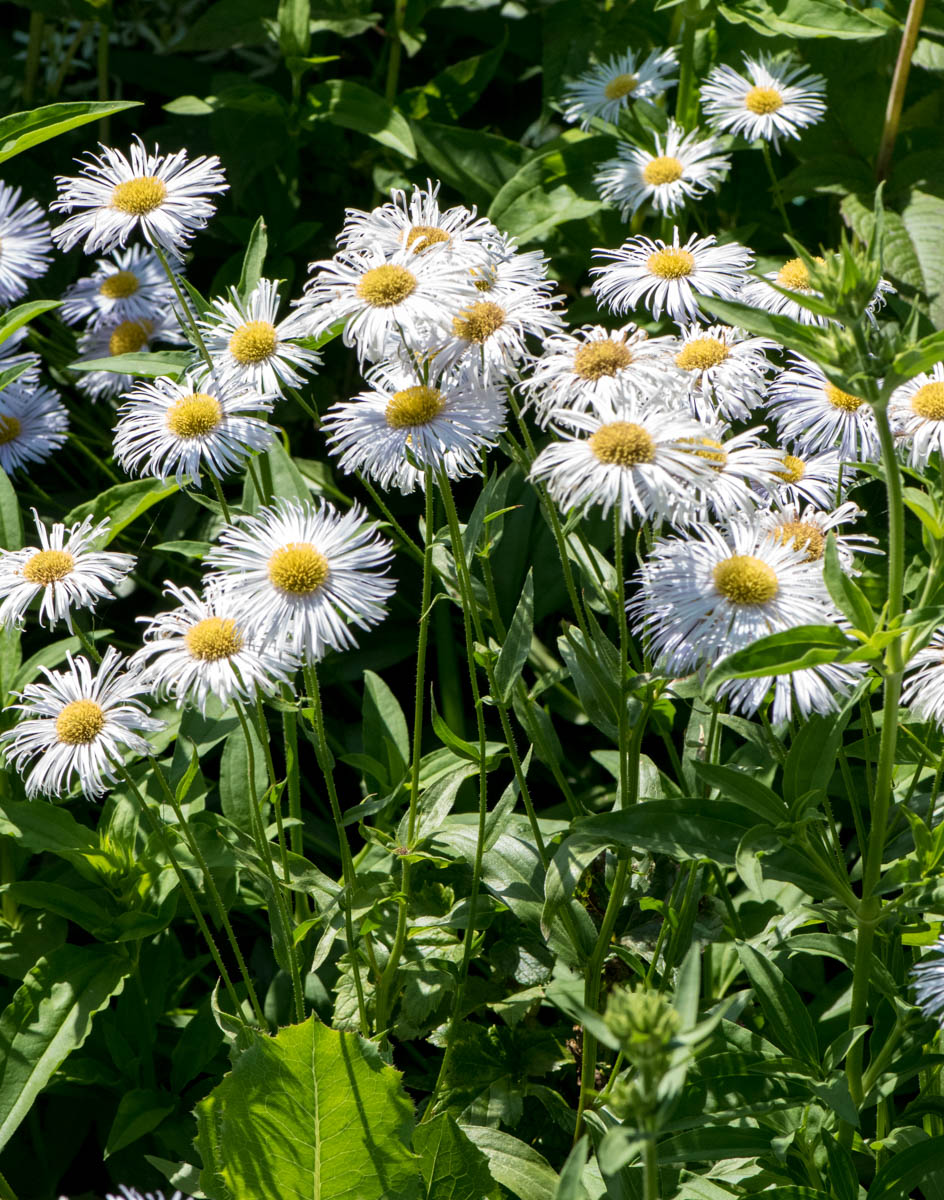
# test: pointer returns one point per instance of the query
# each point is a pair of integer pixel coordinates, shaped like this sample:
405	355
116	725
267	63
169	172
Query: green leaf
475	163
809	19
122	504
684	828
756	320
279	477
228	23
21	131
17	317
310	1113
812	758
50	656
384	728
451	1166
711	1144
149	365
516	1166
922	356
780	653
845	592
234	776
908	1169
590	668
139	1111
517	644
253	259
43	827
49	1016
788	1023
737	786
450	93
353	106
11	520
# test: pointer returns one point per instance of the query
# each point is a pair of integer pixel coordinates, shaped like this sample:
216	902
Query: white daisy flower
743	473
170	429
25	244
725	370
129	286
418	223
250	346
665	277
133	1194
199	650
33	423
711	593
304	572
78	724
795	277
387	304
605	90
812	414
923	688
683	166
928	976
160	196
64	570
635	456
402	424
12	356
126	337
916	414
816	479
593	363
807	530
776	100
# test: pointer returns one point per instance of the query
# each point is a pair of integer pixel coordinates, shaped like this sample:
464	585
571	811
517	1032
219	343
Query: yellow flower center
80	722
129	337
119	286
744	579
478	322
662	170
10	430
713	451
794	274
701	353
421	237
214	638
384	286
414	406
253	342
793	469
844	400
48	566
194	416
298	569
804	535
671	263
623	444
138	197
620	86
603	357
928	401
762	100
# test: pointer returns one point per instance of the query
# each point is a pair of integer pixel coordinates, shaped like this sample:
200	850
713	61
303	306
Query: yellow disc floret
623	444
844	400
298	569
387	285
194	416
794	274
138	197
48	566
414	406
253	342
620	86
80	723
10	430
928	401
671	263
793	469
214	638
701	353
803	535
662	170
421	237
604	357
119	286
744	579
129	337
478	322
763	100
711	450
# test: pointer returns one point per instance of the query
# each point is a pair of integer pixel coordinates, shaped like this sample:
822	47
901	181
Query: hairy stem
896	94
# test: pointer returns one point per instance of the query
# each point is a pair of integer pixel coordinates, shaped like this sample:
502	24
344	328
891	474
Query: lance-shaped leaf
781	653
20	131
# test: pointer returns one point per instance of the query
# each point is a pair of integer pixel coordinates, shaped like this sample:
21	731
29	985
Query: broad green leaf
40	827
809	19
811	760
843	1177
684	828
294	24
476	164
845	592
21	131
11	520
235	799
17	317
452	1167
51	656
11	374
514	1164
139	1111
788	1023
517	643
254	258
49	1016
922	356
593	676
908	1169
739	787
353	106
384	728
782	329
310	1113
122	504
711	1144
450	93
278	476
923	218
150	365
569	1186
781	653
228	23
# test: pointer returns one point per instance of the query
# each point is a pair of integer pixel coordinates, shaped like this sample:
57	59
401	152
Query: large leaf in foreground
20	131
310	1113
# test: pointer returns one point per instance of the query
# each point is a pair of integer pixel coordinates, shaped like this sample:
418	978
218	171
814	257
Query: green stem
650	1168
684	101
34	50
217	486
775	188
104	125
296	833
623	656
81	34
396	50
87	644
191	320
896	95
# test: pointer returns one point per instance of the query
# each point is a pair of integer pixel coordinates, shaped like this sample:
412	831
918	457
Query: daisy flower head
923	690
712	592
682	167
33	423
199	650
772	100
665	277
171	428
305	573
162	197
402	424
387	304
129	286
808	529
928	982
813	414
25	244
605	90
637	455
250	346
593	363
817	479
743	472
794	276
124	337
725	370
416	224
64	570
78	723
916	413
